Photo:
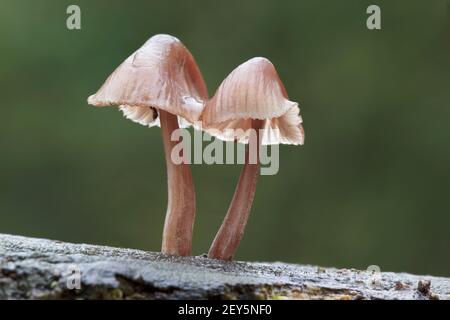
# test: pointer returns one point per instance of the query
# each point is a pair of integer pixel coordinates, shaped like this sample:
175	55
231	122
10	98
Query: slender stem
231	231
180	215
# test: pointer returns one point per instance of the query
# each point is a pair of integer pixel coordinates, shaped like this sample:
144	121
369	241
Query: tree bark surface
45	269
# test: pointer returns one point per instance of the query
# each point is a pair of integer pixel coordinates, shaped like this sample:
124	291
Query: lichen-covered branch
45	269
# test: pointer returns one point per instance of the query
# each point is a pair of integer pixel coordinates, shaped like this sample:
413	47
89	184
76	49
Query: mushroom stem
180	215
231	231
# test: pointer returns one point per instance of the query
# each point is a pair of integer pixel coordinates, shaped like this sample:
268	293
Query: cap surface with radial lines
253	91
162	74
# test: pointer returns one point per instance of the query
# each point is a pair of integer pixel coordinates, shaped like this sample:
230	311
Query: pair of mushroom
161	85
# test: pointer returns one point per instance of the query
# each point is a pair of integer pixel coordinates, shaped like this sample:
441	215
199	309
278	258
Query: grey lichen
41	269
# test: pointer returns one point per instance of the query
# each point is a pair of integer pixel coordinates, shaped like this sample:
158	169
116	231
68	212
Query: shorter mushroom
160	84
253	99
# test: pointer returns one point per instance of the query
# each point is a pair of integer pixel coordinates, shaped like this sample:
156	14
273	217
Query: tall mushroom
161	84
251	97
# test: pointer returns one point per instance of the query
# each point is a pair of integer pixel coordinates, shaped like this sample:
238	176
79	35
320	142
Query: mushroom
160	84
252	98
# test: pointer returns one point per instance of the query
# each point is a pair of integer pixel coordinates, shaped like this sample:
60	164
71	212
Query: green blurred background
371	185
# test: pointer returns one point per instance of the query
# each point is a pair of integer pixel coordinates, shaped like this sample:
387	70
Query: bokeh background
371	185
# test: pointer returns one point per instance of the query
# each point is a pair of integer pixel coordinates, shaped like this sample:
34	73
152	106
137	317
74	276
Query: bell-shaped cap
253	91
162	74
